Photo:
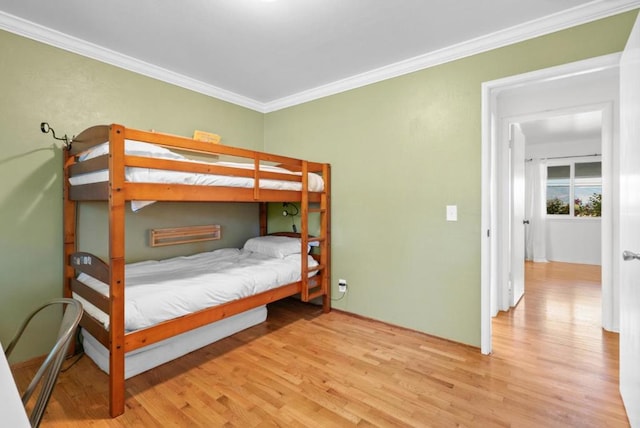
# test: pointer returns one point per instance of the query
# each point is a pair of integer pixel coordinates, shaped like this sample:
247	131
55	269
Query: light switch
452	213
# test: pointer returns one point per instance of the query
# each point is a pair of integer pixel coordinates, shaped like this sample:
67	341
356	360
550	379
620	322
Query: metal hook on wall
45	128
290	210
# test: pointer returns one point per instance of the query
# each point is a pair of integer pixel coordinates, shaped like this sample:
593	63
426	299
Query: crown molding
78	46
559	21
589	12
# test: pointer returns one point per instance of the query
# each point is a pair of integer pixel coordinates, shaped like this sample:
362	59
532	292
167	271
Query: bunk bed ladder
316	285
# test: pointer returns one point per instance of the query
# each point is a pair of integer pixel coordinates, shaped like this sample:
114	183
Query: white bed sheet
150	175
146	358
157	291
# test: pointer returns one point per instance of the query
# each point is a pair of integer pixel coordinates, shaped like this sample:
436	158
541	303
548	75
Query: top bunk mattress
159	290
152	175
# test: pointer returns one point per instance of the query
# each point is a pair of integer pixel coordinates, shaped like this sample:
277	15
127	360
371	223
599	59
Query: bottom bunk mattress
160	290
151	356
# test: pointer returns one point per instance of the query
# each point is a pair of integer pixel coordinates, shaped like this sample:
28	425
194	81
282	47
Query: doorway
589	85
556	200
556	190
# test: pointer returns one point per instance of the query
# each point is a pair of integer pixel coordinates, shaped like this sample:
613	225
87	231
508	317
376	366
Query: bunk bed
121	165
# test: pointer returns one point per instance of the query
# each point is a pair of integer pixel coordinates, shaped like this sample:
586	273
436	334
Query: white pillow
133	148
273	246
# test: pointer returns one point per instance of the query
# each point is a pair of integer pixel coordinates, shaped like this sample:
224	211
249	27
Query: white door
630	226
517	141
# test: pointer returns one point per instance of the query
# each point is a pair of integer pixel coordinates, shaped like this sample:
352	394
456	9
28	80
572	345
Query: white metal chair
48	372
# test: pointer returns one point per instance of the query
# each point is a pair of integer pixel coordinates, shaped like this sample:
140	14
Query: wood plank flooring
553	366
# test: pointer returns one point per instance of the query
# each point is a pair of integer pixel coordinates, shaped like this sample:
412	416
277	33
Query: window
558	189
580	182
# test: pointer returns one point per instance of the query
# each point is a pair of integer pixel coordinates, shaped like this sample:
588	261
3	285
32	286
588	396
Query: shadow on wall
23	200
30	239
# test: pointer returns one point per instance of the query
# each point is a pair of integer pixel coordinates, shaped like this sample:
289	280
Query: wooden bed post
116	272
325	225
304	236
69	227
264	216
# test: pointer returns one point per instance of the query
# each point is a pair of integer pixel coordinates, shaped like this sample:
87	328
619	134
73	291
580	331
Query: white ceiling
259	52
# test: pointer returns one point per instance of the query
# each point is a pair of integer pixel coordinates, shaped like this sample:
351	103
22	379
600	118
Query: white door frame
491	236
515	211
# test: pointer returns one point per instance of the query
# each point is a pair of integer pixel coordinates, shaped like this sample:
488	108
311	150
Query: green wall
403	149
41	83
400	151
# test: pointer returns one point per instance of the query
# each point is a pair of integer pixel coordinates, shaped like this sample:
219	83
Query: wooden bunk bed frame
116	191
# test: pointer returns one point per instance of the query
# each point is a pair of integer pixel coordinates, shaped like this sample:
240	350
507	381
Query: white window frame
571	162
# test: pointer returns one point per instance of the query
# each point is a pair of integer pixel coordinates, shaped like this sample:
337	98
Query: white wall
574	240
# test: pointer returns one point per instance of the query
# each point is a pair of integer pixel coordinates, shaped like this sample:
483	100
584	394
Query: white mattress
150	175
157	291
146	358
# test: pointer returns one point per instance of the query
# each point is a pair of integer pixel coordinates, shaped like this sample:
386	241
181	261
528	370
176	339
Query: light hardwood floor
552	366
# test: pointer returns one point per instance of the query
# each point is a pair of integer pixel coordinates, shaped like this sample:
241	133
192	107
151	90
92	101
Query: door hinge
488	233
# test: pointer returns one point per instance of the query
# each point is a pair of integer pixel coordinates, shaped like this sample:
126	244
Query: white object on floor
151	356
11	407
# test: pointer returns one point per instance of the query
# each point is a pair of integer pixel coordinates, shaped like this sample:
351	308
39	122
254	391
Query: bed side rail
204	168
97	299
175	326
187	144
96	329
89	165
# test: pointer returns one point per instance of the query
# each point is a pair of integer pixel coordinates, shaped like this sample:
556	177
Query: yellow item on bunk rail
206	137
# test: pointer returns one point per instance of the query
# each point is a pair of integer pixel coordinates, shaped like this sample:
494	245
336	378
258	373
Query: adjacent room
313	213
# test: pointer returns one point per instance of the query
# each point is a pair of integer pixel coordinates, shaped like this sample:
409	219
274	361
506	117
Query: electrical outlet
342	285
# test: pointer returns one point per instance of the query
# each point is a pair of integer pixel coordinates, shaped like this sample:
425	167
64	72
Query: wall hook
290	210
45	128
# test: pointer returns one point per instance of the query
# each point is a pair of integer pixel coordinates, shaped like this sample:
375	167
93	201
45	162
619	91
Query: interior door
517	141
630	226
